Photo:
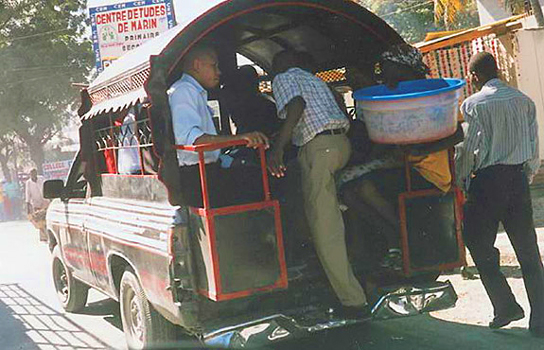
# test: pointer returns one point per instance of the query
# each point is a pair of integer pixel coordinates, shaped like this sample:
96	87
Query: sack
37	218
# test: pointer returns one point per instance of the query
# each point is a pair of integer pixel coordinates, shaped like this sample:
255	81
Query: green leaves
414	18
42	52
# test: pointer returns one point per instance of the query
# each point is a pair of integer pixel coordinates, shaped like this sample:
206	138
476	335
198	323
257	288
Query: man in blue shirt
495	164
193	125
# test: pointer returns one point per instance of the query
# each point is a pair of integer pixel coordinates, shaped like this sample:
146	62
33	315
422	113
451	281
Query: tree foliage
413	19
42	52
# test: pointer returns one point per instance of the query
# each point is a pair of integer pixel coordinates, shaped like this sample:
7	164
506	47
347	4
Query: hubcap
61	282
133	315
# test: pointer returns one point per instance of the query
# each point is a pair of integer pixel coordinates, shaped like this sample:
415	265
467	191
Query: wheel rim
61	282
133	317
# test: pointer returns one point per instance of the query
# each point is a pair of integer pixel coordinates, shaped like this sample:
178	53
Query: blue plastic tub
416	111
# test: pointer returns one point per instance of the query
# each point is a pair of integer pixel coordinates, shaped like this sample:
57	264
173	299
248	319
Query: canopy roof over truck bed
333	32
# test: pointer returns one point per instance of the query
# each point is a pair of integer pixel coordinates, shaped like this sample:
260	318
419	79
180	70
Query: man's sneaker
500	321
392	260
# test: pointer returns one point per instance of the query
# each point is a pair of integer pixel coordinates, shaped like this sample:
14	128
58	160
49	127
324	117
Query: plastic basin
416	111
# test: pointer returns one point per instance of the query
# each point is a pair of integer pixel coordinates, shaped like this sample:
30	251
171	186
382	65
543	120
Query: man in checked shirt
315	123
495	165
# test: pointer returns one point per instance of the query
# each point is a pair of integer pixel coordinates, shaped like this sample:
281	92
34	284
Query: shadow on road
108	308
29	324
417	333
513	271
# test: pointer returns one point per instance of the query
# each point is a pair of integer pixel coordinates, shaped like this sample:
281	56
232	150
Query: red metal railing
200	149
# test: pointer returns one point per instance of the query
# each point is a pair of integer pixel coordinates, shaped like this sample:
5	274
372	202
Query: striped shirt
321	112
502	129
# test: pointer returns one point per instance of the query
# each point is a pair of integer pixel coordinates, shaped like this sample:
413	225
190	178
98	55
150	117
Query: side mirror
53	189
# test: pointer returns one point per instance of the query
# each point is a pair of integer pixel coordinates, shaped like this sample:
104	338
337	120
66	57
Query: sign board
56	170
119	28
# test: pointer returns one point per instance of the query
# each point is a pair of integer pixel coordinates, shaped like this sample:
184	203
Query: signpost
121	27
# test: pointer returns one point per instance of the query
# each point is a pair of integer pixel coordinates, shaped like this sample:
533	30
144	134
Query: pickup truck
220	274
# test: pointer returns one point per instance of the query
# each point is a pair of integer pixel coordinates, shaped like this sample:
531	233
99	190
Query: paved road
31	317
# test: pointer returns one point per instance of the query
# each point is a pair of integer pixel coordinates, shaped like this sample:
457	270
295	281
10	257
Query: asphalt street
31	317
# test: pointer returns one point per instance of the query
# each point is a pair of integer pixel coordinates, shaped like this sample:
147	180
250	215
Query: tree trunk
5	168
37	155
537	10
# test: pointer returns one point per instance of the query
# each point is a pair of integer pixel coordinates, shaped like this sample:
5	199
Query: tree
447	11
7	150
42	52
414	18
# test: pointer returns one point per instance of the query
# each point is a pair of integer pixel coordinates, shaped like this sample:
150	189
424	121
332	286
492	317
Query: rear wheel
71	292
143	326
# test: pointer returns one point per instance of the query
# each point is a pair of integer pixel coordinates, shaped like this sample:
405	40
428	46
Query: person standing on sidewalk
315	123
495	165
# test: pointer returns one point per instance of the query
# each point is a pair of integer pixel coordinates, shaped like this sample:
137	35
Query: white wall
491	11
531	72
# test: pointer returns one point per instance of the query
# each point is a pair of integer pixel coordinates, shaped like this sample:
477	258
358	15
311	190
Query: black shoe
360	313
500	321
467	274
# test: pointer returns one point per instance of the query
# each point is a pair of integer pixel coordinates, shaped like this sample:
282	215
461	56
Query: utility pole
537	10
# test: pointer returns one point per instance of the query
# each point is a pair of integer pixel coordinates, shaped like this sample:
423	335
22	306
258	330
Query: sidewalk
537	195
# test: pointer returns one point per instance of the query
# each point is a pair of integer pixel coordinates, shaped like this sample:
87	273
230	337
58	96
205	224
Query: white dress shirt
191	118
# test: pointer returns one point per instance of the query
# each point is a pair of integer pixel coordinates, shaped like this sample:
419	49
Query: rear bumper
399	302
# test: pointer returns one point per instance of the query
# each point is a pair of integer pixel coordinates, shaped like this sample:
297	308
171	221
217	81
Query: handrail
212	146
200	149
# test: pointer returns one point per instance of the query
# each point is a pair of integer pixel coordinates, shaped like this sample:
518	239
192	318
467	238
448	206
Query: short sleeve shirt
321	112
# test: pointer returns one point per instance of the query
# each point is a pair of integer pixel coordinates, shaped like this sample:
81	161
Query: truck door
73	238
96	247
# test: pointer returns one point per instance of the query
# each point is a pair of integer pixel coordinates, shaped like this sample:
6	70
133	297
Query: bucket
417	111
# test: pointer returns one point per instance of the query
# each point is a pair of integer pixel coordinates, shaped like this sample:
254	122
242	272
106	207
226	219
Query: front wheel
71	292
143	326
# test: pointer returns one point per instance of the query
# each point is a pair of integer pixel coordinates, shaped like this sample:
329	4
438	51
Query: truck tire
71	292
143	326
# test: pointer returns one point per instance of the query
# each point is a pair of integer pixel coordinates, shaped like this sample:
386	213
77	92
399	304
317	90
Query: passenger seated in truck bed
250	110
193	125
372	188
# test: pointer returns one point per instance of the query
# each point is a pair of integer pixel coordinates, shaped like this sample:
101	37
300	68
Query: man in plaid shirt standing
315	123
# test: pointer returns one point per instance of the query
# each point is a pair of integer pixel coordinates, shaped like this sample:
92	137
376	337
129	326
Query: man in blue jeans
495	165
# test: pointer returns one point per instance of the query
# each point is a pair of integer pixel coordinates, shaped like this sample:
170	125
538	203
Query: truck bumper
399	302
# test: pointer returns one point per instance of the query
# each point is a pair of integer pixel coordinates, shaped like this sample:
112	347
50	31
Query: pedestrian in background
495	165
2	202
36	204
13	197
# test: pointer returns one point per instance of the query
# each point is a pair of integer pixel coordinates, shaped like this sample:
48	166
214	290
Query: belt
332	132
501	167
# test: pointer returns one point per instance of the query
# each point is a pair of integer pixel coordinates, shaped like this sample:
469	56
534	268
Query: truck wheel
143	326
71	292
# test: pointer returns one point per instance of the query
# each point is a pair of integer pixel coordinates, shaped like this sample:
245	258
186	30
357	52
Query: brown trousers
320	159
